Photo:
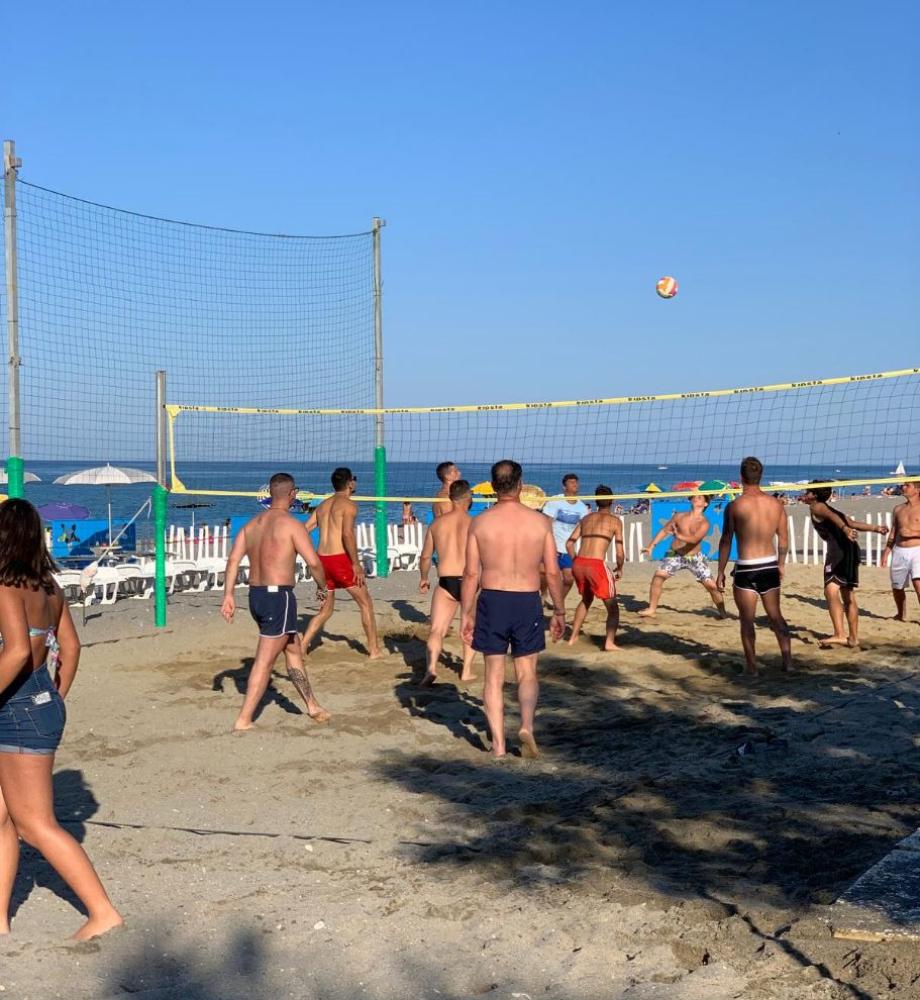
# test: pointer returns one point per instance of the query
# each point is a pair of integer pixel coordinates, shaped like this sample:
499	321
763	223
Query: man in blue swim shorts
505	549
565	512
272	540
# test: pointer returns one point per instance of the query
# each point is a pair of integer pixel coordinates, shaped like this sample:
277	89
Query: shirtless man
505	547
272	540
759	521
589	568
688	529
338	552
903	547
448	473
446	536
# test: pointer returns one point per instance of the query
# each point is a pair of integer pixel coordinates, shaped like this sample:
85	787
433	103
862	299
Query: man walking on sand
505	548
592	575
338	552
903	547
446	537
272	540
759	522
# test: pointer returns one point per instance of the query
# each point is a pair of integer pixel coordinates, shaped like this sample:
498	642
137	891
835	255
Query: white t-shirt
565	515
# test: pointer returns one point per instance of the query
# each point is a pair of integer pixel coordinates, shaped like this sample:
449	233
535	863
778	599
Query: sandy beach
386	855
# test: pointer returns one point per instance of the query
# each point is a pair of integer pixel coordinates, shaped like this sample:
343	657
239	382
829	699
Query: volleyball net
850	431
107	297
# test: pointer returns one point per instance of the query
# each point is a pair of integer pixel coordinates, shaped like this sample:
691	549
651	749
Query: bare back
449	534
511	540
335	516
440	509
271	549
906	525
758	520
597	531
41	611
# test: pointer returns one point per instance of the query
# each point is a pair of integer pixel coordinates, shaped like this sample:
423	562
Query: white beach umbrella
28	477
107	476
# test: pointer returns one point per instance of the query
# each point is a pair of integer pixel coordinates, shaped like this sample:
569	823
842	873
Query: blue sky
540	165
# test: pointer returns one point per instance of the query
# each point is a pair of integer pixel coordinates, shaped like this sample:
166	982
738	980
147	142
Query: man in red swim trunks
338	552
589	568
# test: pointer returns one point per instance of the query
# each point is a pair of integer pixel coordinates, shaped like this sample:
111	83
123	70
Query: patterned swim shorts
697	564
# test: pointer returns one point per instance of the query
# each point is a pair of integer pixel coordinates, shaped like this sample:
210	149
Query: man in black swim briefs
505	549
759	523
272	540
446	538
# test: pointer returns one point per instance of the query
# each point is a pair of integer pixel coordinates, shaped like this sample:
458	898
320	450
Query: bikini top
53	656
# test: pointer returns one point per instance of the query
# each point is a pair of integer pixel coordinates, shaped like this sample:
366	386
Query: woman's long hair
24	558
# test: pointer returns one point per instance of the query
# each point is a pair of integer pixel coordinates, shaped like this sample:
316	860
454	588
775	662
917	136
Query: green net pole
380	515
15	474
160	497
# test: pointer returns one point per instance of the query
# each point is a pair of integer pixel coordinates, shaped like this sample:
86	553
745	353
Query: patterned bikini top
53	656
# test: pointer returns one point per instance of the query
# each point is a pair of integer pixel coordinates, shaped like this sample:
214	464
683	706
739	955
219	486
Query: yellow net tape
174	410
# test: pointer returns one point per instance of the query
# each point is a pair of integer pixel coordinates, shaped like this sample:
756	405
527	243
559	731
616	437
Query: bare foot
612	647
900	618
466	678
834	640
647	613
573	639
376	654
428	680
853	643
497	752
319	714
722	613
529	748
96	926
242	727
4	929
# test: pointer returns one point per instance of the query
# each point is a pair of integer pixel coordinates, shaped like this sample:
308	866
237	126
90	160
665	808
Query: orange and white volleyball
666	287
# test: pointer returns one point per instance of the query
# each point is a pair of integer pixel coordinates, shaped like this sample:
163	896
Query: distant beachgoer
447	473
841	567
408	515
759	522
446	537
565	512
688	529
592	575
272	540
39	659
903	547
505	547
338	552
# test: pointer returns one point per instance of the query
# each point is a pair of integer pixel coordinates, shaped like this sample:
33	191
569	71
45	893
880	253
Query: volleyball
666	287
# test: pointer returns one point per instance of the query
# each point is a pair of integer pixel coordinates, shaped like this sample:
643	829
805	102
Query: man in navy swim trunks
272	540
505	548
565	512
759	523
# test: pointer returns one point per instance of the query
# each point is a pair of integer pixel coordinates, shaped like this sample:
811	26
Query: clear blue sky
540	166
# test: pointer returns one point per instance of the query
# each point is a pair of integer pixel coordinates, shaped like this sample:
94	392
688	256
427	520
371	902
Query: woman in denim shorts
38	659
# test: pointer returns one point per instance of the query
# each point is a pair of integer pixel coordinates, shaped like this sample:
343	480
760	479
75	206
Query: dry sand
385	855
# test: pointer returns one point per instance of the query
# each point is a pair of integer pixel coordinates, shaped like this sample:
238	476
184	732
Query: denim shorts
32	717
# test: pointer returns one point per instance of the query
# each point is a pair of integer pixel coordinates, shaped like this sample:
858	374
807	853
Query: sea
412	479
